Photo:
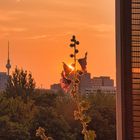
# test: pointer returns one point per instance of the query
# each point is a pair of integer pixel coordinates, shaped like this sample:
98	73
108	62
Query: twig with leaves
70	83
40	132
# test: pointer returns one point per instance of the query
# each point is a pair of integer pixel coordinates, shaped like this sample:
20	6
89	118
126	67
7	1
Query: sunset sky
39	32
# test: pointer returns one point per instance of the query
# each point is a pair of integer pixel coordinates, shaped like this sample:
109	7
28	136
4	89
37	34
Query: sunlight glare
71	67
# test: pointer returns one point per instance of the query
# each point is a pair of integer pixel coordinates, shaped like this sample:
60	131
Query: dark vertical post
124	71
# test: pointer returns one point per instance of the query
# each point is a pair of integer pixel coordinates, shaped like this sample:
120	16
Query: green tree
50	118
45	99
20	83
54	124
15	118
103	113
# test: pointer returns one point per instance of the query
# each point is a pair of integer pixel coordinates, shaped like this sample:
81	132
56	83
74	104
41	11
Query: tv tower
8	65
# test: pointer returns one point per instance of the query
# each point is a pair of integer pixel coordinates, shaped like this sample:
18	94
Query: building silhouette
92	85
8	65
3	75
56	87
102	84
85	82
103	81
3	81
128	69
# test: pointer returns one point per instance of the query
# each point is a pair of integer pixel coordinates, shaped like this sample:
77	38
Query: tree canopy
20	83
23	109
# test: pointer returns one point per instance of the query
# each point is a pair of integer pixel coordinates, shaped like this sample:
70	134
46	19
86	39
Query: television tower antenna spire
8	65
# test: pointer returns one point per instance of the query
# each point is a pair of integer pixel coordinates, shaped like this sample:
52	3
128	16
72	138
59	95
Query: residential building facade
3	81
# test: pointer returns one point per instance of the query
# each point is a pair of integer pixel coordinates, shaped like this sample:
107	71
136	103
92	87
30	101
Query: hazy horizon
39	32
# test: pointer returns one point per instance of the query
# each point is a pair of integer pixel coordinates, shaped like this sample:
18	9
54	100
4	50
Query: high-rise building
103	81
56	87
3	81
128	69
92	85
102	84
85	82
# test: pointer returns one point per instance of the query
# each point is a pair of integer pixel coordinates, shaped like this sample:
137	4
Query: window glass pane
136	86
136	48
135	65
136	75
135	59
136	81
136	70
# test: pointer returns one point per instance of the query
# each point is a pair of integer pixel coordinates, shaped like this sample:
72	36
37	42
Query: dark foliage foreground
54	112
23	110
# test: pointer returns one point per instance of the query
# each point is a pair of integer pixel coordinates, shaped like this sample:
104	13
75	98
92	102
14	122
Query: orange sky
40	31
